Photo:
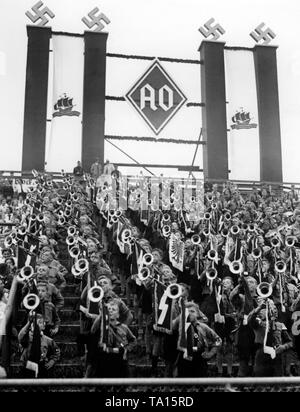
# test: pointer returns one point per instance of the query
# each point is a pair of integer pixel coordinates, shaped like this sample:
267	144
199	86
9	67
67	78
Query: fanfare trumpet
256	253
211	274
82	265
61	221
236	267
264	290
166	217
26	273
280	266
212	255
72	230
196	240
67	212
31	301
144	274
166	230
251	227
275	242
71	240
235	230
289	241
40	217
74	252
126	235
95	294
174	291
206	232
76	273
147	259
227	217
8	241
225	232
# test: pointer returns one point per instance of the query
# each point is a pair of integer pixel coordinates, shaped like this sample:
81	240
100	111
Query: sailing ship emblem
242	120
64	106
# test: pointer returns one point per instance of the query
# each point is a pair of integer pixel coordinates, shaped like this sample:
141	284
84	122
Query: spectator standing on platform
96	169
78	172
108	168
107	172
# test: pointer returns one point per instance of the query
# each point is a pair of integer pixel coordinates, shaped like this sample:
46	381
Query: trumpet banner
176	252
163	308
104	326
242	115
185	337
64	142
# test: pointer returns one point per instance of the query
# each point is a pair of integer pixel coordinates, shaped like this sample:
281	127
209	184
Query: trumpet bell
82	265
214	206
280	266
264	290
70	241
67	213
75	197
26	273
209	197
147	259
211	274
251	227
74	252
206	232
95	294
144	274
166	230
275	242
31	301
72	231
22	231
166	217
118	213
290	241
174	291
234	230
256	253
196	240
207	216
212	254
227	216
61	221
8	242
126	234
40	217
236	267
76	273
225	232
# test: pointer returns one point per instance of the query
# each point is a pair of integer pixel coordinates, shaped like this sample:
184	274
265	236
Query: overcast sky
157	28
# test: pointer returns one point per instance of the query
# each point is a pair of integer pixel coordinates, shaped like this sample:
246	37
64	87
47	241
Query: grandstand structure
166	213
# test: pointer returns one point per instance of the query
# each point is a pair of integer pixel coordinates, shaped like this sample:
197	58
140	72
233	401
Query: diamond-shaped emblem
156	97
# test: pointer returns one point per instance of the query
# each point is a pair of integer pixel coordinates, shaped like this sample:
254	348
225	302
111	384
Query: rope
126	154
165	59
152	139
195	154
122	99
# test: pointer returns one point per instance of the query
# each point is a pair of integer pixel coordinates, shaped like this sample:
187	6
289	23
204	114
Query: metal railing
167	382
